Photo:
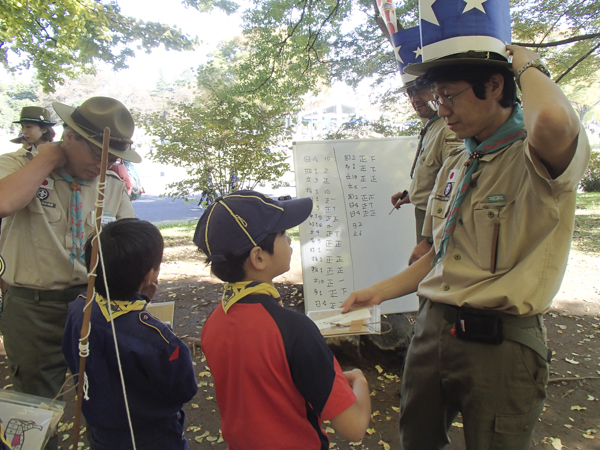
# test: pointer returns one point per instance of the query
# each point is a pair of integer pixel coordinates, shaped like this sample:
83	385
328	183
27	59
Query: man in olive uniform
436	141
502	219
47	202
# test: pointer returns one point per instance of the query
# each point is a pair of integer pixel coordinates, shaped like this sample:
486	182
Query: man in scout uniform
47	202
502	219
436	141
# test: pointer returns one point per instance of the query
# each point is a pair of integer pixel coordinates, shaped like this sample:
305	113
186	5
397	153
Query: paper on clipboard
331	322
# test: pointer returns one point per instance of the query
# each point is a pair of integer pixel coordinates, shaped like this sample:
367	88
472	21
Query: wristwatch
538	64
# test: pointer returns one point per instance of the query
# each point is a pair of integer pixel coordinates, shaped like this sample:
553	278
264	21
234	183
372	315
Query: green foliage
226	140
359	127
12	99
342	39
65	38
591	178
586	236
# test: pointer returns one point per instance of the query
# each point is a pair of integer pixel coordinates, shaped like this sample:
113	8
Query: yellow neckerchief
118	307
233	292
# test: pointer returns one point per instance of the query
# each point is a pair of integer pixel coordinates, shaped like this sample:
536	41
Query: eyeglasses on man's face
98	154
446	100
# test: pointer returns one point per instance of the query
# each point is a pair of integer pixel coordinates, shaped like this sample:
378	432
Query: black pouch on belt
479	328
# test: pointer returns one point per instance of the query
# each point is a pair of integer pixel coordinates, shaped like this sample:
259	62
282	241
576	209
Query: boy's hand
150	290
359	299
354	376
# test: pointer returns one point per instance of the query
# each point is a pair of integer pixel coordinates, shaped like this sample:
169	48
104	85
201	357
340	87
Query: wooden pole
85	326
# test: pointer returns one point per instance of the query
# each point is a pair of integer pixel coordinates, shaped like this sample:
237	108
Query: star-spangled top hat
458	32
407	48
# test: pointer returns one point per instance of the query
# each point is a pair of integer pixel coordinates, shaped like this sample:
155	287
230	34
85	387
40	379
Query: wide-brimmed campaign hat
237	222
19	139
96	113
457	33
35	114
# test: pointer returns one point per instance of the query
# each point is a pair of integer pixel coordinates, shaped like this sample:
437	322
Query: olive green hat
35	114
96	113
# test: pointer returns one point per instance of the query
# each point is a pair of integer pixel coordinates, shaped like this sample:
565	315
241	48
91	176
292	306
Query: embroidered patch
453	175
2	266
42	194
495	198
448	189
48	204
48	183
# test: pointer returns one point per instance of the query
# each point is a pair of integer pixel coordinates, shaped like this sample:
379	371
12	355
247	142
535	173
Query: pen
401	197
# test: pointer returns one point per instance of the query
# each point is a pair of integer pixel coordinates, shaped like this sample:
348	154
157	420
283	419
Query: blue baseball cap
237	222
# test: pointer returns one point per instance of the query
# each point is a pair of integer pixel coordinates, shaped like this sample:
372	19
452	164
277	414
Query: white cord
112	324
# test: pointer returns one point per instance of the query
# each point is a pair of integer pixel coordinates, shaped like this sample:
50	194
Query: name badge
495	198
107	219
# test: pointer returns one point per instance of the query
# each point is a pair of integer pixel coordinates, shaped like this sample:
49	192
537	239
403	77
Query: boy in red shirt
275	377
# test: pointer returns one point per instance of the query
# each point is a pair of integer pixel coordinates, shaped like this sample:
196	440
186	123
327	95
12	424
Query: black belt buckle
483	328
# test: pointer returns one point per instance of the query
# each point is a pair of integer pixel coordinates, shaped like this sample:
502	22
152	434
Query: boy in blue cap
156	364
275	377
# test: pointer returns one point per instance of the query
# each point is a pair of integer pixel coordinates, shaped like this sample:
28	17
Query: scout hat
407	48
237	222
96	113
455	32
35	114
19	139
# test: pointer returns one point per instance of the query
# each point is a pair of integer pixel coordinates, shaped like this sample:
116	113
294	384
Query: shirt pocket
491	222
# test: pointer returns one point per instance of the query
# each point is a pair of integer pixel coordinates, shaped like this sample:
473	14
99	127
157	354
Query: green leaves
64	39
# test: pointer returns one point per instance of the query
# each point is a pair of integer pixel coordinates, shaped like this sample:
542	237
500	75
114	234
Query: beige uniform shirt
515	208
36	242
438	144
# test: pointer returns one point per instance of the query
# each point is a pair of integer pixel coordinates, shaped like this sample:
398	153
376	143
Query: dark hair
131	248
233	269
477	75
49	135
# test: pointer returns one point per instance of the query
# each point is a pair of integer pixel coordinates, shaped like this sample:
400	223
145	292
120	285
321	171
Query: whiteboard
350	240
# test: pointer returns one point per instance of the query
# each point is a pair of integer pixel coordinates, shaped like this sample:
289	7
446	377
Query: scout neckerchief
118	307
76	215
510	131
420	147
234	292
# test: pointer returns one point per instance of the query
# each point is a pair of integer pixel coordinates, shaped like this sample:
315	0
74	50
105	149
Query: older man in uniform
47	202
436	141
502	220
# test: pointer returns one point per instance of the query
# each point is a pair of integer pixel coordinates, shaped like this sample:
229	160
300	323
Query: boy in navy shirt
275	377
156	364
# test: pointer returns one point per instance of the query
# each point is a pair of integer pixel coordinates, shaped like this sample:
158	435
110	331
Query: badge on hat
463	31
407	48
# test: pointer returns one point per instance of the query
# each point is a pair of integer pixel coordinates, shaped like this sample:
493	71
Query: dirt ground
571	418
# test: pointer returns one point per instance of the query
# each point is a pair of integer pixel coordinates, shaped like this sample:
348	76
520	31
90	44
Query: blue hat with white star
457	32
407	48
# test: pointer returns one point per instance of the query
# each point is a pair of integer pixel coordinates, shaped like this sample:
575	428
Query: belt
513	327
65	295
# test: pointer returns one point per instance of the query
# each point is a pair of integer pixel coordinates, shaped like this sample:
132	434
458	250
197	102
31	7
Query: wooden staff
87	314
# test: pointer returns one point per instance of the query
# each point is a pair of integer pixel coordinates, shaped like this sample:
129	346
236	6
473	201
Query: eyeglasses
98	155
446	100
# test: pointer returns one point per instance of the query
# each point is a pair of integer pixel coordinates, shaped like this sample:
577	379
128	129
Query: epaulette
149	320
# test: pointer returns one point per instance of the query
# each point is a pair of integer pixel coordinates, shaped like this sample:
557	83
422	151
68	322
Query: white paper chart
350	240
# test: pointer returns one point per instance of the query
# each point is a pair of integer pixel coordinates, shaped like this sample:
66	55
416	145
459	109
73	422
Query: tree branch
583	37
576	63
